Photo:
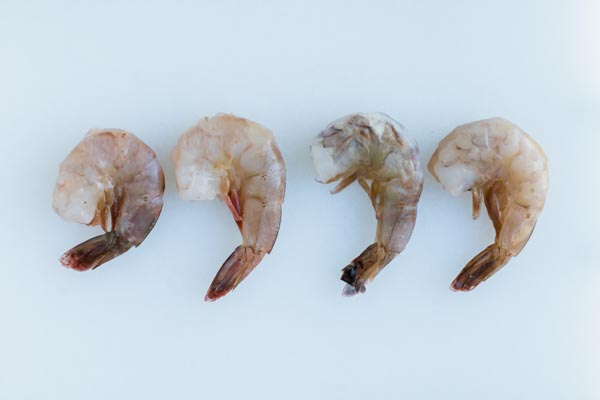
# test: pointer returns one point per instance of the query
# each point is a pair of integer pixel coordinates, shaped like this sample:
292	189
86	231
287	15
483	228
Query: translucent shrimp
498	162
114	180
238	161
371	149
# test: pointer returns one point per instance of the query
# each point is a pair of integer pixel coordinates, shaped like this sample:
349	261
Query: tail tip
94	252
353	285
234	270
480	268
210	299
462	286
215	293
350	290
64	260
71	261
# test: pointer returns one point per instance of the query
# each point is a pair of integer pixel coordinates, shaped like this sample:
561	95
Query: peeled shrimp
498	162
114	180
238	161
371	149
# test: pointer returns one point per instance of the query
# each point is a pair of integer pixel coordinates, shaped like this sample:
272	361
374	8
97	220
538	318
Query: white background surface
138	327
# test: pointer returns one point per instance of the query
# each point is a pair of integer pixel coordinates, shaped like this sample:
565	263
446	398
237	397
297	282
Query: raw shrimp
238	161
371	149
114	180
497	162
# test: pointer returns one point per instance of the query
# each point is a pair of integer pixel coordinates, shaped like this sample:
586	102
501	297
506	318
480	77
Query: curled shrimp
238	161
114	180
500	163
371	149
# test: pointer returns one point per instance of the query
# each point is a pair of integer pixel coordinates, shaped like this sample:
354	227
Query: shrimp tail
364	268
94	252
237	267
481	267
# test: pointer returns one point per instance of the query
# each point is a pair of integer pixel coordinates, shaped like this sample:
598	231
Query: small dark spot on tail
349	274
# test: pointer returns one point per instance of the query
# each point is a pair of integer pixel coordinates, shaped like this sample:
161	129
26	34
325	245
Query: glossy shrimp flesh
237	161
114	180
498	162
372	149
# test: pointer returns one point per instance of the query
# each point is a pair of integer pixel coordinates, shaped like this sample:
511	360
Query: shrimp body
237	161
114	180
500	163
371	149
